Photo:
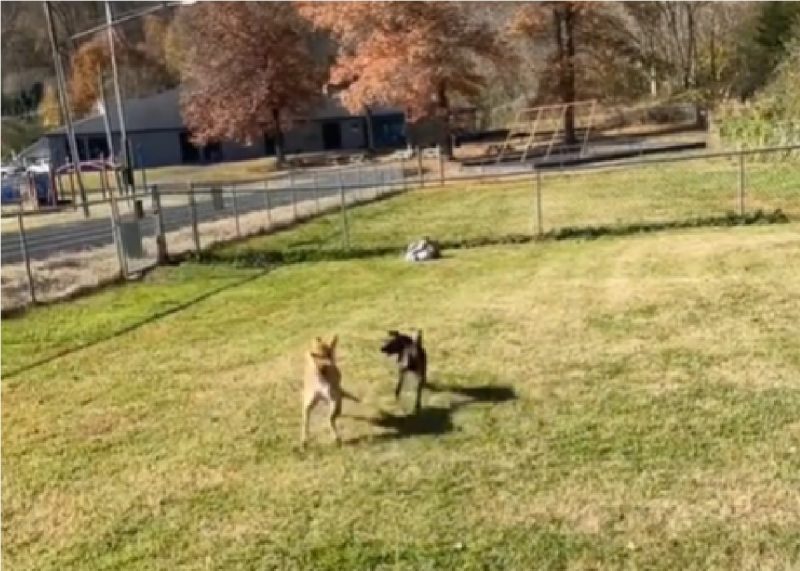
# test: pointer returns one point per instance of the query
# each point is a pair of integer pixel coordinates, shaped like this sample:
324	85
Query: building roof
161	112
38	150
157	112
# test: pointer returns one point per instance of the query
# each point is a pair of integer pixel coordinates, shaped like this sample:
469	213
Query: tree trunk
444	112
370	133
563	19
690	30
276	118
690	24
569	92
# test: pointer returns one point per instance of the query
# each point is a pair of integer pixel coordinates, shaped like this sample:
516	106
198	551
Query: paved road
47	240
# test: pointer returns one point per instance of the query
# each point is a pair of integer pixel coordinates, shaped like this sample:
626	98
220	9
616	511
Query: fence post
441	165
403	173
162	255
193	210
401	182
316	193
141	166
103	181
23	246
267	203
539	228
236	210
419	168
345	226
72	188
293	196
115	232
741	184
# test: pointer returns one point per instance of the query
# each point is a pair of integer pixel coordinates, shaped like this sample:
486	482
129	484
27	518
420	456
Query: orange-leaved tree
49	108
89	63
246	68
414	55
142	66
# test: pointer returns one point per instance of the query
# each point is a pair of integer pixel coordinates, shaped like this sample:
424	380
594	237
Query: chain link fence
45	258
58	254
40	256
500	205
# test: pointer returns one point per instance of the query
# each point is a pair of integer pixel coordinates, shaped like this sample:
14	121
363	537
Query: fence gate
136	230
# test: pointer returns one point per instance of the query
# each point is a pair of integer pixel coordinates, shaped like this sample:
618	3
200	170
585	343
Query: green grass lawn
606	200
625	402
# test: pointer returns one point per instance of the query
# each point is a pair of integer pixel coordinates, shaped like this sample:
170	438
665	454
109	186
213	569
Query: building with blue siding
158	136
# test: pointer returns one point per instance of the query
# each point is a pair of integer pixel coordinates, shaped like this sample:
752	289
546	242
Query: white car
7	170
39	167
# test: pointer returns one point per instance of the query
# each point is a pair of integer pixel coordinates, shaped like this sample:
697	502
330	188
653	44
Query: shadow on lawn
259	258
433	420
136	325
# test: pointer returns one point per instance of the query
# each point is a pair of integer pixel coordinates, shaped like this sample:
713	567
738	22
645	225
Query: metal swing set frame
528	121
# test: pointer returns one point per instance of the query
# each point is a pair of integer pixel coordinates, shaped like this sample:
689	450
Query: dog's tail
350	396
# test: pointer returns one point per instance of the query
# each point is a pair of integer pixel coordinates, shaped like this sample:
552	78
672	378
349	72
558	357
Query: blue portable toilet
10	192
41	182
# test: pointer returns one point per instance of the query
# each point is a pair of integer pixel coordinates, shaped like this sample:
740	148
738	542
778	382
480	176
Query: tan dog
323	382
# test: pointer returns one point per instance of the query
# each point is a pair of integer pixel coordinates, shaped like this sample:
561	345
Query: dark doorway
98	147
83	149
193	154
269	146
190	153
331	135
212	152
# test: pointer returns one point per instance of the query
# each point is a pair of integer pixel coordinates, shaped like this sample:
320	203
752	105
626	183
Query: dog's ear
332	344
316	348
394	333
418	337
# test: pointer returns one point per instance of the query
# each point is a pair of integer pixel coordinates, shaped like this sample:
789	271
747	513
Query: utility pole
120	110
106	123
64	103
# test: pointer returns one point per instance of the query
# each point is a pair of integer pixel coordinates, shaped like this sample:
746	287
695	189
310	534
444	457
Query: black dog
411	358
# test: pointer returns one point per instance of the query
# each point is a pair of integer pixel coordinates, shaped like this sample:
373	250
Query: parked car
39	167
7	170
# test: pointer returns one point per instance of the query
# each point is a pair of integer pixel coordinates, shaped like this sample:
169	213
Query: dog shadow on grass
487	394
432	420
